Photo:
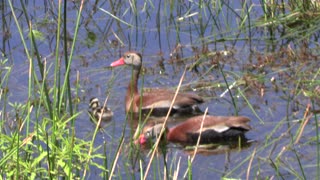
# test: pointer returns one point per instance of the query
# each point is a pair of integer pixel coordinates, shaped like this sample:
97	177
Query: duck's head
129	58
94	103
149	133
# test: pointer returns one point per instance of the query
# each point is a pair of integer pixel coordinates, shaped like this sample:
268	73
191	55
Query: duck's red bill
119	62
141	140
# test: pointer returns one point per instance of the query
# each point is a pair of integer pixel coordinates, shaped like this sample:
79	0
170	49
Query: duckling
96	111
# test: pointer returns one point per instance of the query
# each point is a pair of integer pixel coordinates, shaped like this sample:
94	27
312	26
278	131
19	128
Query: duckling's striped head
98	112
94	103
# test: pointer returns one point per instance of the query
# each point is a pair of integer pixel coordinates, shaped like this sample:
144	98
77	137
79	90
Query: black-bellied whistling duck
157	100
214	129
96	111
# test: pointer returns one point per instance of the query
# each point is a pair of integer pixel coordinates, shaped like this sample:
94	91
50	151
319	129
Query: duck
156	100
96	111
215	129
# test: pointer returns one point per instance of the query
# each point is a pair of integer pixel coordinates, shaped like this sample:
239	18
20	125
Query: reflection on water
214	149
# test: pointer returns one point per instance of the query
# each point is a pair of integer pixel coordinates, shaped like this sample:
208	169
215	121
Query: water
168	46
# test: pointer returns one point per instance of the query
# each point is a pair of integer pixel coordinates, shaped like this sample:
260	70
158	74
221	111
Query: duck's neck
133	87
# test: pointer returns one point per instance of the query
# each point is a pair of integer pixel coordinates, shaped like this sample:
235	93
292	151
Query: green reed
55	144
5	72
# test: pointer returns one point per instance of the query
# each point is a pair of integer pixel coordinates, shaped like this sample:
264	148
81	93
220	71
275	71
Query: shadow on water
238	63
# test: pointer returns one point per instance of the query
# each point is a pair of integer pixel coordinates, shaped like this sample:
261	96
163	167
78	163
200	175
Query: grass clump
37	137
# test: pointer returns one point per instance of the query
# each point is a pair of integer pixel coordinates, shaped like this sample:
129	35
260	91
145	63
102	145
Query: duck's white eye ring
148	134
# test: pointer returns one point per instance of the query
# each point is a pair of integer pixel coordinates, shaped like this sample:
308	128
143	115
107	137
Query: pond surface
171	38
